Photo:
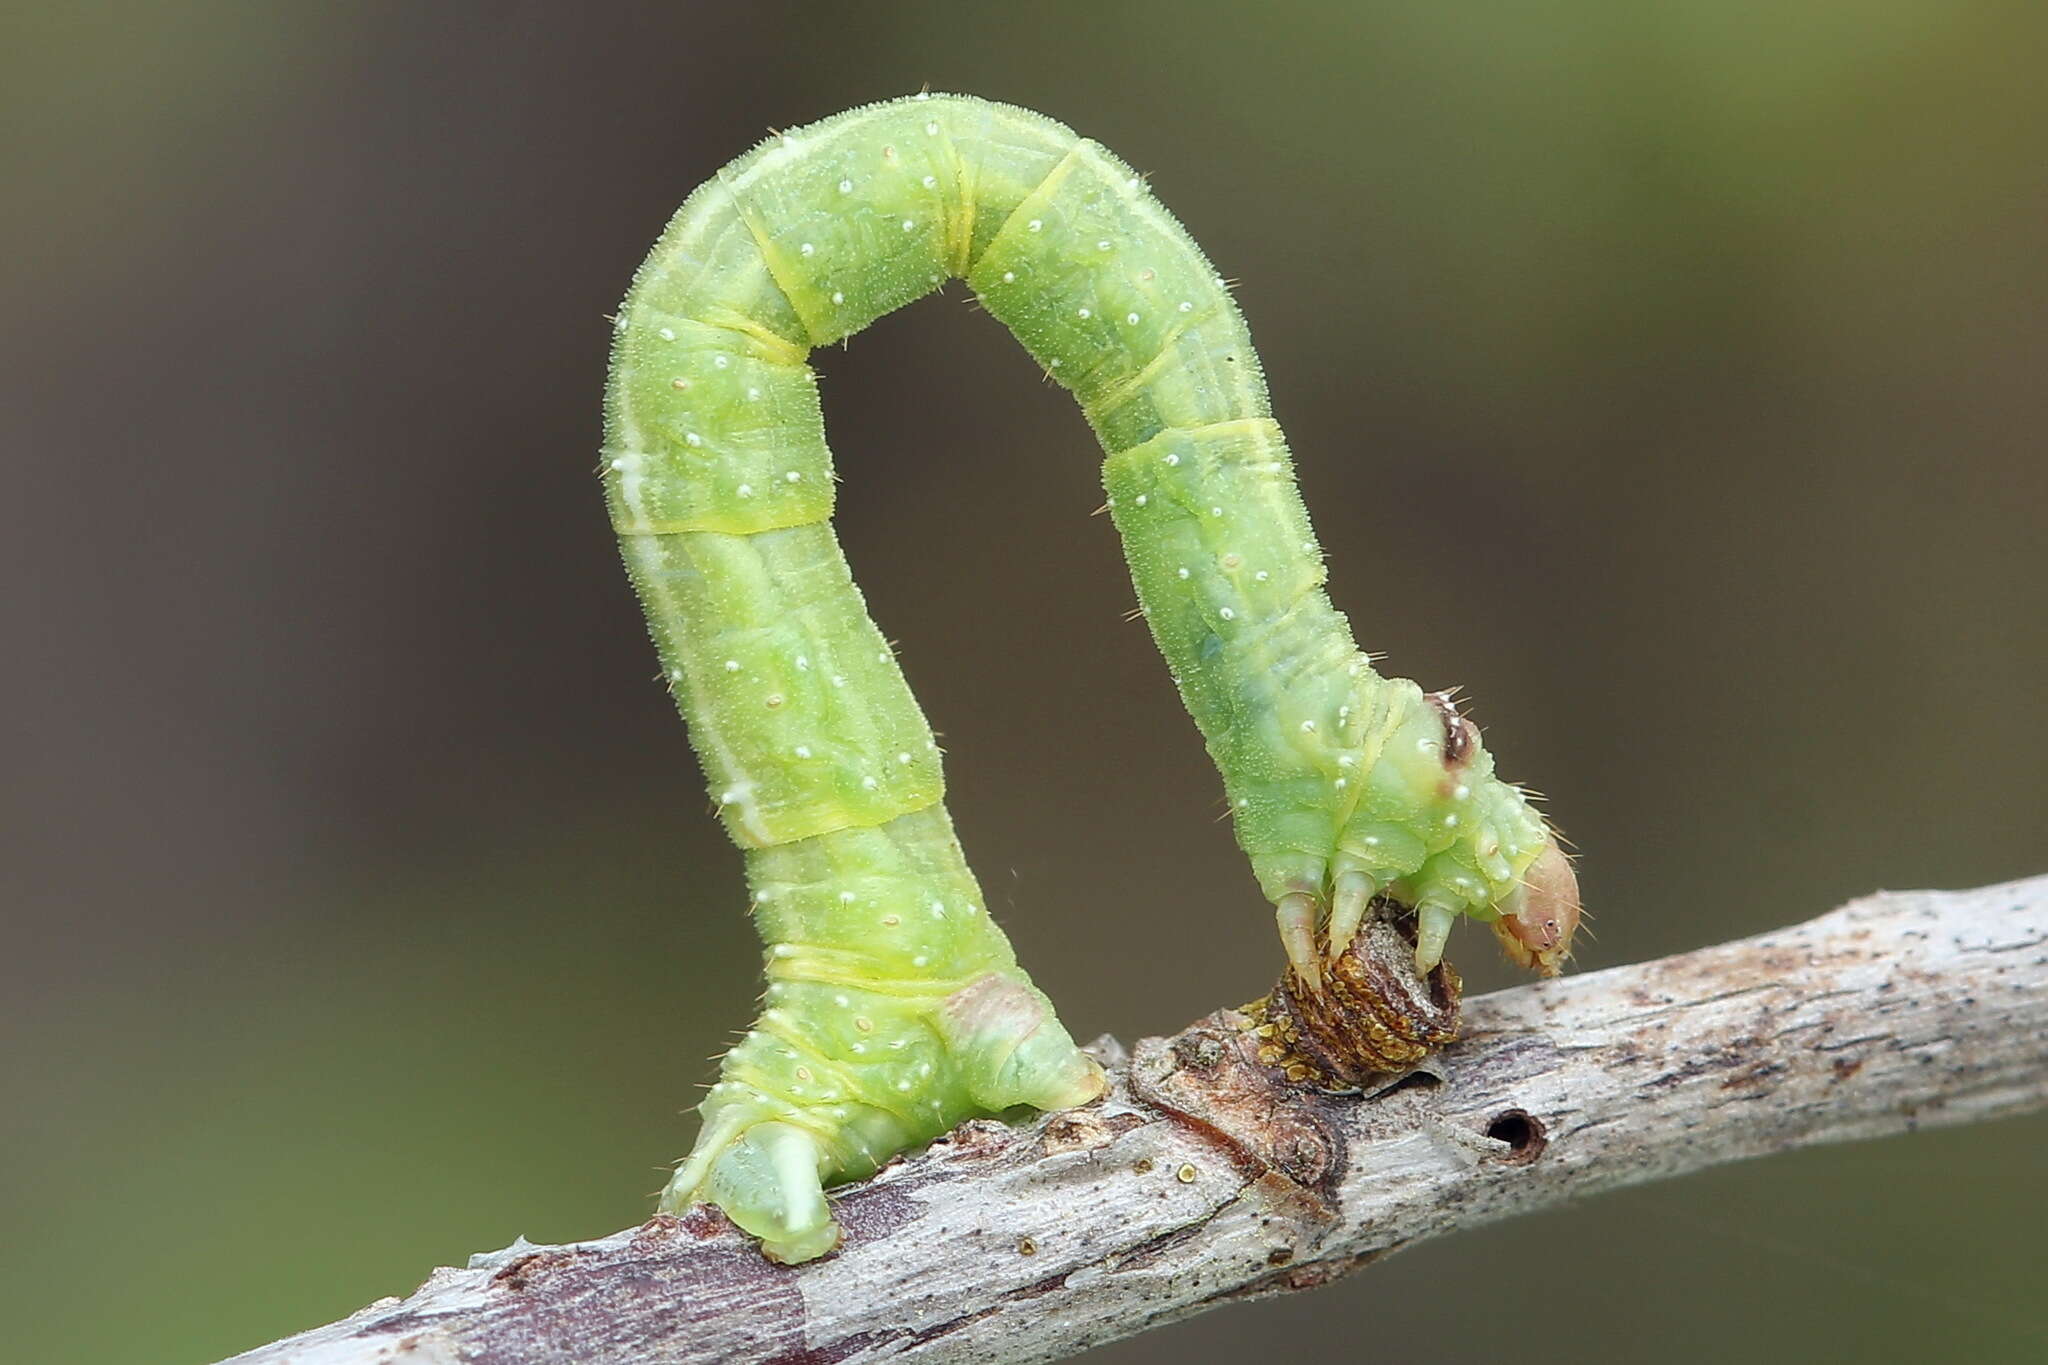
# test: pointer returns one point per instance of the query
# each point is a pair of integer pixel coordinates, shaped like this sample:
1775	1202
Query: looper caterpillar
895	1008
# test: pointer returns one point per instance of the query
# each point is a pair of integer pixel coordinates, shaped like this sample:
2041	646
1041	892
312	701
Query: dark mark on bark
513	1276
1085	1130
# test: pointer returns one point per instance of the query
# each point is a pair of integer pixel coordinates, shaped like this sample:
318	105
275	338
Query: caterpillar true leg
1296	917
895	1008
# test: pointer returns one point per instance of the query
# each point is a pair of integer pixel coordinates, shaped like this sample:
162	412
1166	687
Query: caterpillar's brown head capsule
1538	919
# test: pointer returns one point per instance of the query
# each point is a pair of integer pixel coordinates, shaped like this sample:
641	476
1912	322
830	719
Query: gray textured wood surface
1202	1179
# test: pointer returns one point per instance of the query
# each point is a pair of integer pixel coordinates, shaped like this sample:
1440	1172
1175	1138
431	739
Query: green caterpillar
895	1007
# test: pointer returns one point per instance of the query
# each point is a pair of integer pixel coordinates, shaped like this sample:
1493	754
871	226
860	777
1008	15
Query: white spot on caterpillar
782	950
1227	614
691	438
732	665
1035	225
675	675
726	798
930	130
1215	511
1055	363
1425	744
930	181
838	297
1103	245
803	751
1009	277
807	250
772	700
881	656
1142	499
846	187
924	1068
668	334
839	680
721	361
1450	822
1081	312
1171	459
1308	727
841	1001
909	224
1180	573
846	898
753	395
745	490
920	961
1243	802
794	476
1260	577
1131	318
903	1084
1372	841
1462	792
803	663
1186	307
869	783
1342	783
617	465
903	758
938	909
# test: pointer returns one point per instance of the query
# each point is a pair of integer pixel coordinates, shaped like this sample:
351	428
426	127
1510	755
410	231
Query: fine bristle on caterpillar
895	1007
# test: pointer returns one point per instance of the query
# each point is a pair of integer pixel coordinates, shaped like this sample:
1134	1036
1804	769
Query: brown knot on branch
1374	1013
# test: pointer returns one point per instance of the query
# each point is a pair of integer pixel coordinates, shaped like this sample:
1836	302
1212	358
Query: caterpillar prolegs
895	1007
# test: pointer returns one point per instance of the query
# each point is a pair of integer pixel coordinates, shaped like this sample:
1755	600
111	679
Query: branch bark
1204	1179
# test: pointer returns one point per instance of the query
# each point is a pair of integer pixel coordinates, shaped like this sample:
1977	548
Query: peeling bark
1205	1177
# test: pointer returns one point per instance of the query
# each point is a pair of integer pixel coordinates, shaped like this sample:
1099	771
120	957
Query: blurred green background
1668	375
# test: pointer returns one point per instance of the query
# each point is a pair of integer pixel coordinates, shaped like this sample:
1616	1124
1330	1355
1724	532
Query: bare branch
1204	1179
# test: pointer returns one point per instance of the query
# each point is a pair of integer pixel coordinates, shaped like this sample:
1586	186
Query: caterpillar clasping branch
895	1007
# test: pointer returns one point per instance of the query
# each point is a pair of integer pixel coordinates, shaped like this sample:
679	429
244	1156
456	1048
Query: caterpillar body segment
895	1007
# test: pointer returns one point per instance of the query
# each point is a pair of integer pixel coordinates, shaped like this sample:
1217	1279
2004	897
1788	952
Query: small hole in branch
1523	1134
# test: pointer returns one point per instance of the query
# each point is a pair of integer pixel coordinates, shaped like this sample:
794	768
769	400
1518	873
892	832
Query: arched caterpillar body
895	1007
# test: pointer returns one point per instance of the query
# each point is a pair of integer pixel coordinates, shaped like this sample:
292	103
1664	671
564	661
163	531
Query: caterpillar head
1539	917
